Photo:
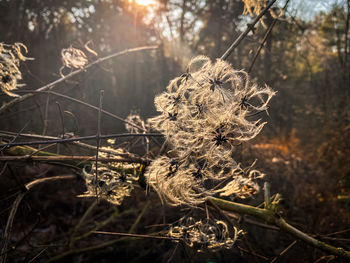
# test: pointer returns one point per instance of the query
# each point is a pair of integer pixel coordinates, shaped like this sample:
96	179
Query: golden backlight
145	2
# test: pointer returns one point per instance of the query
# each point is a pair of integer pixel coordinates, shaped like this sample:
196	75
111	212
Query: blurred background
305	147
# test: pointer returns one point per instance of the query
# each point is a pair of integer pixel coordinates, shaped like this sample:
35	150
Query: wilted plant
255	6
204	115
113	183
73	58
10	57
207	234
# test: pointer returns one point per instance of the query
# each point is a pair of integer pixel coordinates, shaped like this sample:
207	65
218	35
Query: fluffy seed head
204	114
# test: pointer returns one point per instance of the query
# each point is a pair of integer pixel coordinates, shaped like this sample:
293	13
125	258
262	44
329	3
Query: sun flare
145	2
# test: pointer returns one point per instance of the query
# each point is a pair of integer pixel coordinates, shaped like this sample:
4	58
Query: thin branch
46	115
42	251
15	206
86	138
284	251
252	253
85	104
79	144
17	134
49	86
98	140
136	235
250	27
80	223
61	118
268	31
62	158
103	245
274	219
138	219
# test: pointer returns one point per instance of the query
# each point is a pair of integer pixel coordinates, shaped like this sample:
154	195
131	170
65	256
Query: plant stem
245	33
274	219
15	206
49	86
86	138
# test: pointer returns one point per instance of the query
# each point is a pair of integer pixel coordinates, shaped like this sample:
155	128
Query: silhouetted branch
250	27
83	103
15	206
86	138
64	158
267	33
49	86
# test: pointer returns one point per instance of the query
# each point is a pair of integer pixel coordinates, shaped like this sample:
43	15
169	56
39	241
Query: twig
274	219
245	33
40	150
61	118
85	104
15	206
18	134
252	253
79	144
8	228
103	245
222	213
46	115
42	251
267	33
267	203
86	138
81	221
98	140
134	225
136	235
3	169
63	158
49	86
99	225
284	251
62	124
338	232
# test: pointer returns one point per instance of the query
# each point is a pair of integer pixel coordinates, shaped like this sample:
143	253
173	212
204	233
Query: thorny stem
49	86
274	219
245	33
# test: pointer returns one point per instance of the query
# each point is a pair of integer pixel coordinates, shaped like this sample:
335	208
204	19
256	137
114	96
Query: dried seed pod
206	234
10	75
204	116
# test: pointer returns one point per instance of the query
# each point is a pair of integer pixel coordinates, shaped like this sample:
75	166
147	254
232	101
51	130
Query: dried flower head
73	58
139	124
113	183
255	6
10	57
207	234
204	114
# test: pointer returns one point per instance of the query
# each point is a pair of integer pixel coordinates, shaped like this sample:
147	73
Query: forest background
304	149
